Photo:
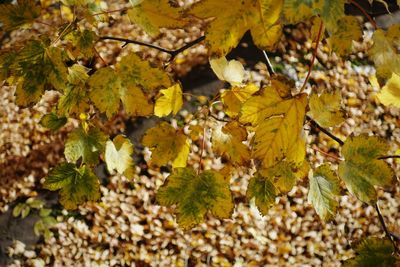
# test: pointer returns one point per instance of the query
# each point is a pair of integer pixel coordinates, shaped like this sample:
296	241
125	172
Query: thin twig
172	53
99	56
111	11
218	119
270	68
382	221
326	153
371	20
203	144
390	157
314	56
328	133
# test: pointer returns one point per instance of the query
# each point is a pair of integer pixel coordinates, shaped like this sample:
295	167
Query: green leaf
167	144
324	187
76	185
373	252
170	101
263	191
195	194
38	227
73	101
25	211
118	156
362	169
53	122
104	90
326	109
18	209
85	145
13	16
82	43
44	212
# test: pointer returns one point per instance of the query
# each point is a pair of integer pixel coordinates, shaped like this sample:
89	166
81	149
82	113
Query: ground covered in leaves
128	227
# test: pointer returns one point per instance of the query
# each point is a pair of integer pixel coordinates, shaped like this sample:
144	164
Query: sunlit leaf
194	195
231	71
281	176
362	169
326	109
118	156
167	144
324	188
135	101
235	97
76	185
170	102
390	93
85	145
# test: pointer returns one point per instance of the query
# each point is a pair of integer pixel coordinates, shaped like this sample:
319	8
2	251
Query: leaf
390	93
231	72
118	156
73	101
348	29
134	71
76	185
82	43
384	55
135	102
235	97
18	209
229	24
85	145
195	194
281	176
78	74
331	12
25	211
53	122
326	109
263	191
278	124
151	15
297	10
58	75
362	169
170	101
373	252
104	90
227	141
324	187
167	144
13	16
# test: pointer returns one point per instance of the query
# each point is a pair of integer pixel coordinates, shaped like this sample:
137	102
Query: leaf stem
371	20
172	53
314	56
203	144
382	221
325	131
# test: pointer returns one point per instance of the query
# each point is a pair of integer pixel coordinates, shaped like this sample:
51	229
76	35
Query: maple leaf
76	185
167	144
195	194
104	90
297	10
77	74
151	15
52	121
324	187
326	110
263	192
362	169
135	102
13	16
278	122
81	43
348	29
281	176
229	24
235	97
118	156
231	71
86	145
227	141
170	101
373	251
390	93
384	55
73	101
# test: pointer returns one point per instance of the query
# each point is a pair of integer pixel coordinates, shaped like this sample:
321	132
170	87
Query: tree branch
390	157
172	53
382	221
328	133
365	13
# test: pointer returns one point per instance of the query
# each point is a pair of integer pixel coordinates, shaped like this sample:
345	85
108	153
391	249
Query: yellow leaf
118	156
324	188
297	10
105	87
166	144
390	93
348	29
229	24
263	191
233	98
170	101
135	102
278	123
13	16
195	194
281	176
151	15
326	109
231	72
73	101
195	132
227	141
362	169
